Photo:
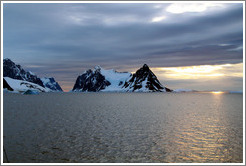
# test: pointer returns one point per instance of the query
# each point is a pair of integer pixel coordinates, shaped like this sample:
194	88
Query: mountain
91	81
51	84
11	70
100	79
115	78
144	80
16	72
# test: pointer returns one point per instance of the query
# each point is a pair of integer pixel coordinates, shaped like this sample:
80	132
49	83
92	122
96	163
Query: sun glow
202	71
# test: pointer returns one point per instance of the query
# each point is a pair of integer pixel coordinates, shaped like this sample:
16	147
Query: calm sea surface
123	127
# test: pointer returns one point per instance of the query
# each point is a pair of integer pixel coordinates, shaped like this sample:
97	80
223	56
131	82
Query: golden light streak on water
217	92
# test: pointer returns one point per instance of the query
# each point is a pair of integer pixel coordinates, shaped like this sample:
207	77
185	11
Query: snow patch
115	78
22	86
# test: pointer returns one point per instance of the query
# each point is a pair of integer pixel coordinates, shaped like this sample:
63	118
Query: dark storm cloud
75	37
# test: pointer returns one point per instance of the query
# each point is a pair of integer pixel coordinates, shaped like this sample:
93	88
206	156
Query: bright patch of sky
157	19
202	71
179	8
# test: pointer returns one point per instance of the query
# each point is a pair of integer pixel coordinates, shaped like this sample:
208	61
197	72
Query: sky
187	45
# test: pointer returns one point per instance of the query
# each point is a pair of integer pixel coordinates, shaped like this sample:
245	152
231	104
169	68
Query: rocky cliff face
144	80
91	81
16	72
11	70
6	85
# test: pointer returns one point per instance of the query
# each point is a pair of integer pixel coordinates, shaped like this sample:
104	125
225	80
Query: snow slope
21	86
117	79
51	84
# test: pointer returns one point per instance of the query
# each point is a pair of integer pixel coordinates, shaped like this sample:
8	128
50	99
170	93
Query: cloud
179	8
202	71
158	19
75	37
205	77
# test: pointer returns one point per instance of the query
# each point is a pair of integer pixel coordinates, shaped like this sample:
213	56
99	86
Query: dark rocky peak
89	71
91	81
144	80
145	67
8	62
144	73
12	70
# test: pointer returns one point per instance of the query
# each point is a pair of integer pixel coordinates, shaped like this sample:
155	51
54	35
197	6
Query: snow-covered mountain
16	72
11	70
91	81
51	84
116	79
144	80
100	79
22	86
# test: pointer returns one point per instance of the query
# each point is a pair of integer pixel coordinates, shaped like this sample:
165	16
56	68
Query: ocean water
123	128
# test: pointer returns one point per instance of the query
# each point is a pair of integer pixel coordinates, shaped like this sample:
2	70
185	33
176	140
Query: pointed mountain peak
98	67
144	80
146	66
6	59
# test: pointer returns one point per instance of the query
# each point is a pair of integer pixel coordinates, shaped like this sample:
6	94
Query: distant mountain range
99	79
15	78
96	80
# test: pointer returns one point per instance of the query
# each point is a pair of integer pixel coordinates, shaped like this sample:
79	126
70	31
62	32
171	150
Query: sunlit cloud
158	19
200	72
178	8
67	39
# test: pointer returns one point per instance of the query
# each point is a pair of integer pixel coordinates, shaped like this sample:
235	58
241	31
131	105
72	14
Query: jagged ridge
16	72
51	84
91	81
11	70
144	80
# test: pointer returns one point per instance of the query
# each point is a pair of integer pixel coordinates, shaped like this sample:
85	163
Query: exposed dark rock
91	81
6	85
10	69
144	80
14	71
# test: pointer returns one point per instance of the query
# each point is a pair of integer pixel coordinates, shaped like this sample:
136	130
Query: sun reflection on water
217	92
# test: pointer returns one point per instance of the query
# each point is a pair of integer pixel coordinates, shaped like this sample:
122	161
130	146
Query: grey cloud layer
120	35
